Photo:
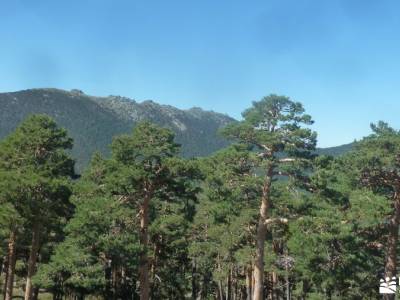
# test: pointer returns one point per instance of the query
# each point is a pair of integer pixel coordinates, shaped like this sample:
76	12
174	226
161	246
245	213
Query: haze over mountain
93	121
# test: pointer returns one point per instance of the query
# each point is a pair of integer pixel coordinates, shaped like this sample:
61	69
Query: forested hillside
146	223
337	150
93	121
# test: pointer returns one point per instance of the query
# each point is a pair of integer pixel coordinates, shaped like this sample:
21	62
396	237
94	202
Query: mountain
93	121
337	150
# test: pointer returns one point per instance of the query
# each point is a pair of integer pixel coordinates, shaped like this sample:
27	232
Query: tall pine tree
273	126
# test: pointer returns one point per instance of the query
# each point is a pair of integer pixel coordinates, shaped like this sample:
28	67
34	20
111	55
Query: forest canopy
264	218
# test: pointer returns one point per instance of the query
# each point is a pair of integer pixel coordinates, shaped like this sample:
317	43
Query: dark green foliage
100	237
192	223
35	157
223	230
337	241
104	230
35	182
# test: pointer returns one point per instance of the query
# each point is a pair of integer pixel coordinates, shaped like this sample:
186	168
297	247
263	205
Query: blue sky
340	58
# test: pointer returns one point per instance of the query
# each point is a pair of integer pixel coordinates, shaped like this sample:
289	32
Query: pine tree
273	127
101	242
10	224
36	153
223	235
378	162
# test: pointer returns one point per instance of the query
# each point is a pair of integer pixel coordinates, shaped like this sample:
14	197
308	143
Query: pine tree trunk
194	281
32	261
229	286
220	290
275	286
126	292
305	290
35	293
249	280
204	286
144	261
235	276
271	291
259	260
115	279
252	282
261	234
11	265
154	263
108	279
5	269
287	285
391	254
2	259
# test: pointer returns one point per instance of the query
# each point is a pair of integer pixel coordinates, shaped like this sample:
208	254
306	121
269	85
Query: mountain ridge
336	150
93	121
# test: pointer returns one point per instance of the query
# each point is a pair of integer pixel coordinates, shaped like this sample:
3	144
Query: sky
340	58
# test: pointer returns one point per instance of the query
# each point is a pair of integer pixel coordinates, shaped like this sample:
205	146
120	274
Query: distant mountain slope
93	121
335	151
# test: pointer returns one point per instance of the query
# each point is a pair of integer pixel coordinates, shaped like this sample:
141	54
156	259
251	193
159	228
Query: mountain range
93	121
